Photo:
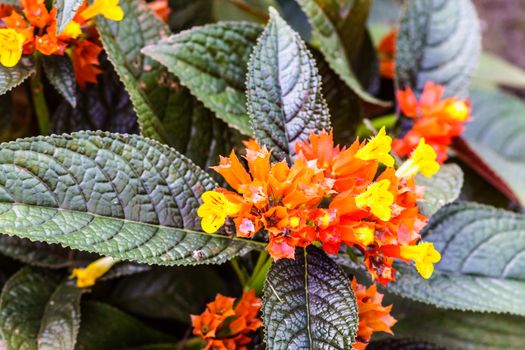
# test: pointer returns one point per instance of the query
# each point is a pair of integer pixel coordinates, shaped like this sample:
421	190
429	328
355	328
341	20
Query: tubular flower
424	256
86	277
435	119
107	8
225	326
11	44
386	52
423	160
373	316
329	196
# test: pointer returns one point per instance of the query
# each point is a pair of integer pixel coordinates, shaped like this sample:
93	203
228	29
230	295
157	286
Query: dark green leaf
211	61
34	253
66	10
442	188
59	71
308	304
438	40
284	90
106	328
403	344
189	13
170	294
14	76
119	195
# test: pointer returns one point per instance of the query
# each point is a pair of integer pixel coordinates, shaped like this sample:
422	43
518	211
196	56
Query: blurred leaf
37	311
59	71
442	188
308	304
284	90
438	40
494	70
186	14
211	61
14	76
168	294
106	328
385	12
402	344
119	195
339	32
34	253
66	10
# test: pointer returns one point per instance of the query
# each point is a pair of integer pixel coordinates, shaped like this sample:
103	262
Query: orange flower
373	317
36	12
6	10
85	62
161	9
224	326
386	52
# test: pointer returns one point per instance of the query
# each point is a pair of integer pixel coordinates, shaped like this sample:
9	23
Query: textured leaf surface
495	137
59	71
118	195
339	32
438	40
106	328
442	188
66	10
14	76
211	61
284	89
169	294
308	304
464	330
482	265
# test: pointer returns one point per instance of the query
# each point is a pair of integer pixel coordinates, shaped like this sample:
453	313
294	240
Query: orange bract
386	52
225	326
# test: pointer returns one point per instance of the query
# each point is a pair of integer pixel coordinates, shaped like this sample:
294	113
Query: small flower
424	255
378	148
365	235
72	30
214	210
378	198
86	277
110	9
457	111
11	44
386	52
423	160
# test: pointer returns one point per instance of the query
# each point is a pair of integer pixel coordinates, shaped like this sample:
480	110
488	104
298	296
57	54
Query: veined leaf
403	344
438	40
14	76
482	265
442	188
106	328
308	304
493	137
211	61
59	71
119	195
284	89
339	32
36	311
66	10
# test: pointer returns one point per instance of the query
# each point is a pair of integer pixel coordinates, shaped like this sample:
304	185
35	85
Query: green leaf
66	10
168	294
36	311
308	304
186	14
402	344
464	330
494	137
494	70
59	71
482	264
10	2
211	61
442	188
284	90
106	328
14	76
34	253
119	195
339	32
438	40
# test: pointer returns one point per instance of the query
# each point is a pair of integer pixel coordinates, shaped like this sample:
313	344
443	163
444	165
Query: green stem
39	100
258	276
241	274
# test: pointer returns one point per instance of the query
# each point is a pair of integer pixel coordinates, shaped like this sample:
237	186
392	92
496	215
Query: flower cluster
34	29
373	317
386	54
436	119
329	196
227	324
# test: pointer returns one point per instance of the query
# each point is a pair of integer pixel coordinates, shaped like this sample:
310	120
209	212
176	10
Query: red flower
85	62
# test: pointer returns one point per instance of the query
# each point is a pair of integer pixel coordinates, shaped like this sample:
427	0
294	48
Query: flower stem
241	273
258	276
39	100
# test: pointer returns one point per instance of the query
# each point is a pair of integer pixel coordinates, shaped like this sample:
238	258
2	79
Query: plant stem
39	100
258	276
241	274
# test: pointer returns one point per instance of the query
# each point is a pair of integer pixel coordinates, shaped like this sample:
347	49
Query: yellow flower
295	221
365	235
424	255
457	110
11	44
423	160
378	198
107	8
86	277
214	210
72	30
377	148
